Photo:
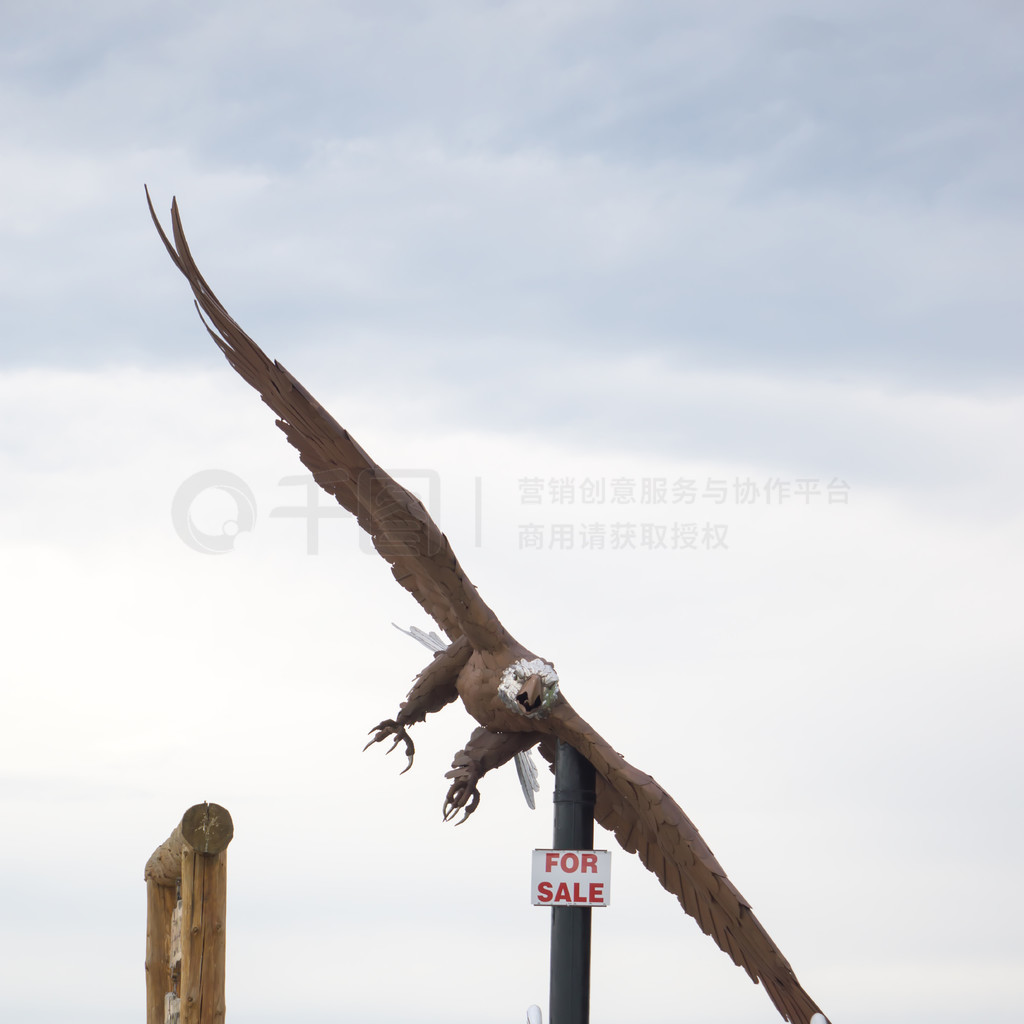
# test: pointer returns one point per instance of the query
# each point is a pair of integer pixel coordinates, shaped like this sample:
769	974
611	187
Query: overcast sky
697	326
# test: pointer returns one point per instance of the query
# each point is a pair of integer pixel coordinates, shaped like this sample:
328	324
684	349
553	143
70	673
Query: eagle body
512	694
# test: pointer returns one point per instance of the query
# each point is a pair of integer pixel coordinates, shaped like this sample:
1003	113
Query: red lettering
550	860
544	892
597	892
589	862
562	894
570	862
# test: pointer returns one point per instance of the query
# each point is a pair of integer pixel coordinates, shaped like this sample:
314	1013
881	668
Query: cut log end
207	828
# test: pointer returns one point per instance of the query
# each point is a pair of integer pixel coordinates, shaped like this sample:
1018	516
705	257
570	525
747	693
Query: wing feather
401	529
647	821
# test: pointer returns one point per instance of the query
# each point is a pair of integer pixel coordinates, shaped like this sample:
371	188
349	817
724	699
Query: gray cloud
763	190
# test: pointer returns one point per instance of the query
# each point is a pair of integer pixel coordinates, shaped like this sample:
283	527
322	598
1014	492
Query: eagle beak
531	693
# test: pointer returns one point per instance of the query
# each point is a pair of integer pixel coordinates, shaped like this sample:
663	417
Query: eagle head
529	687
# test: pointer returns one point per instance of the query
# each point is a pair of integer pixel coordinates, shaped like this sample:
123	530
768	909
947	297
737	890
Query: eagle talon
463	794
389	727
466	803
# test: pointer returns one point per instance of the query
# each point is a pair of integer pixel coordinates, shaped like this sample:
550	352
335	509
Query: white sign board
572	878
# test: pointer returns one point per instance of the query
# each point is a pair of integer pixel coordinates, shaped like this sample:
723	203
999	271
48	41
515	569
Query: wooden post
196	855
161	900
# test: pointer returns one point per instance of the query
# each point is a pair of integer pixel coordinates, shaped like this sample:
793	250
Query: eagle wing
402	531
648	822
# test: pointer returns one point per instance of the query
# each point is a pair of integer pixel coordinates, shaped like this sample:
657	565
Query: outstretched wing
402	531
648	822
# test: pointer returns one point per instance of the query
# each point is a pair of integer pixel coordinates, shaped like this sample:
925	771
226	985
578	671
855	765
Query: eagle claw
463	794
389	727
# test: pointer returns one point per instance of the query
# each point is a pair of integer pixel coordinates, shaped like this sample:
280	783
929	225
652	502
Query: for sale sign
571	878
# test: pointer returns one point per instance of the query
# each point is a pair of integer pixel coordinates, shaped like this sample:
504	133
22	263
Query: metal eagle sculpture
512	693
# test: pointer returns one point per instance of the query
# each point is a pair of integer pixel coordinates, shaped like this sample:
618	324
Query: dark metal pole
570	926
